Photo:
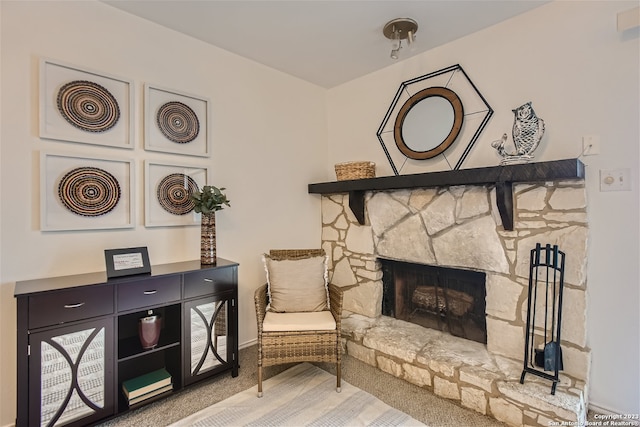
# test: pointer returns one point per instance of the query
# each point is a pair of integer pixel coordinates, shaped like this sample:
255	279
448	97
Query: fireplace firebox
448	299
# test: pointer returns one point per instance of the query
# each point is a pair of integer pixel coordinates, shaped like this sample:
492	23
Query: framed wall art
85	106
176	123
81	193
168	189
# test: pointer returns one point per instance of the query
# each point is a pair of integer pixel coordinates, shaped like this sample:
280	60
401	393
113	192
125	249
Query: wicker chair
281	347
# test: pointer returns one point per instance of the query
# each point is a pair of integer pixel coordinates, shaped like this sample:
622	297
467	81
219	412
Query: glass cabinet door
71	371
207	335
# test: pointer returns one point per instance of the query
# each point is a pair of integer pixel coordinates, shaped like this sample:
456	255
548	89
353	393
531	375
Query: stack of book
146	386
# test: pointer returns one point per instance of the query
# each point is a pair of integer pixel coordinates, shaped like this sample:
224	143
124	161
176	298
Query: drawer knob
208	280
80	304
150	292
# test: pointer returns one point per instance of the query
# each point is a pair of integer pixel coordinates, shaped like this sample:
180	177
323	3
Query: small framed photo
82	193
127	261
176	122
168	189
85	106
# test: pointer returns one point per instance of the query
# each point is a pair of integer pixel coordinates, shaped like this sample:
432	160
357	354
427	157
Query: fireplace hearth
446	299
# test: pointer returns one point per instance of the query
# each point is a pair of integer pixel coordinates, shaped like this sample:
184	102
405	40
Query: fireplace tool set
542	351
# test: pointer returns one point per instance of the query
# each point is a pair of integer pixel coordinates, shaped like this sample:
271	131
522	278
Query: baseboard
248	343
9	425
603	410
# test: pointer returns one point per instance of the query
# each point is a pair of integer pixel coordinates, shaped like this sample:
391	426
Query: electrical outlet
615	180
590	145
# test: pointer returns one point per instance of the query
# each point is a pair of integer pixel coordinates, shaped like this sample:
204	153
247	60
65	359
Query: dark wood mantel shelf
503	177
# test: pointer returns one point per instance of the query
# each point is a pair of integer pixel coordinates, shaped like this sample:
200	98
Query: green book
151	394
146	383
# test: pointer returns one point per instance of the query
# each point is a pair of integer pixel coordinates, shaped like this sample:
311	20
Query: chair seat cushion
305	321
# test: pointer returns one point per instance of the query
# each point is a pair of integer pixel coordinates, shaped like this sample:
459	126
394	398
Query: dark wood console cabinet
78	337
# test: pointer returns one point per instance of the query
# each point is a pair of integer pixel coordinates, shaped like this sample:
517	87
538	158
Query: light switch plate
615	179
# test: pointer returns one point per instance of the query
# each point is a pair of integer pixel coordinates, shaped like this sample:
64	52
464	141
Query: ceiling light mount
400	29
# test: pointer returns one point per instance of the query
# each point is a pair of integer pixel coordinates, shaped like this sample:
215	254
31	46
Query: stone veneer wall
460	227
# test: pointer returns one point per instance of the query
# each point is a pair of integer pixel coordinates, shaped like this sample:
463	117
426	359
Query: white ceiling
324	42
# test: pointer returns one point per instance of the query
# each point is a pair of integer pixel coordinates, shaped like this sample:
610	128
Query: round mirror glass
428	123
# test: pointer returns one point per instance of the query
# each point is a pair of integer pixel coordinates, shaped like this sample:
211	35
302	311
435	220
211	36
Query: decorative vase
208	238
149	330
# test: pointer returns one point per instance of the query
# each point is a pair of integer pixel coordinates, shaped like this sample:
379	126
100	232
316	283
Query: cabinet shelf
130	348
167	357
147	401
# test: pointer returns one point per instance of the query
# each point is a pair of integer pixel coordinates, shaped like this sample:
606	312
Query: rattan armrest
335	303
260	297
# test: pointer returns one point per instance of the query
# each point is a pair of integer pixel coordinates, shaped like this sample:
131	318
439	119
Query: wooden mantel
503	177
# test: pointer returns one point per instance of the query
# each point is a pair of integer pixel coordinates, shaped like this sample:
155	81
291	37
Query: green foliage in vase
210	199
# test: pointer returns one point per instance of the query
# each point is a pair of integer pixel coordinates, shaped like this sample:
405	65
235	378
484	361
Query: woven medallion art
88	106
178	122
89	191
174	193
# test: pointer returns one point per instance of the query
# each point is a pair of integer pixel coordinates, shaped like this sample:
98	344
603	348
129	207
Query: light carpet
303	395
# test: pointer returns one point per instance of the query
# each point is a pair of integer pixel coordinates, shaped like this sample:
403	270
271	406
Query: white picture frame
176	122
164	208
84	106
77	193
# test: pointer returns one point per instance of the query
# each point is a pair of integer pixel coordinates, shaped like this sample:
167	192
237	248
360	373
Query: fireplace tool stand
542	351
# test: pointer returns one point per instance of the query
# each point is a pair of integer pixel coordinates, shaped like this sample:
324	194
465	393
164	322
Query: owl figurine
527	132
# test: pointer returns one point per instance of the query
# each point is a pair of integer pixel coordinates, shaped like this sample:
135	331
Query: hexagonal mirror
438	116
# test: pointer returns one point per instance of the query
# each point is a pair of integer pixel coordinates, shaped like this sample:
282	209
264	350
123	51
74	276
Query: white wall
583	79
269	142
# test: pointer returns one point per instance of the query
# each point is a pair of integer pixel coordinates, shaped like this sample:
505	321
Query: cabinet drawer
208	281
132	295
63	306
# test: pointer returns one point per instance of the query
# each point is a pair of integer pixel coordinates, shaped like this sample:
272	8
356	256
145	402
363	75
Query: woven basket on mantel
355	170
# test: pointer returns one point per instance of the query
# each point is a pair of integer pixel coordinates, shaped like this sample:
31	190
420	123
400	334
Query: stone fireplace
459	227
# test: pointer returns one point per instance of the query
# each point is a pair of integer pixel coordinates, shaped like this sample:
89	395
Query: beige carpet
303	395
418	403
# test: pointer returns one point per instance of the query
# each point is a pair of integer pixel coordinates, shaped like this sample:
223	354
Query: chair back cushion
297	285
